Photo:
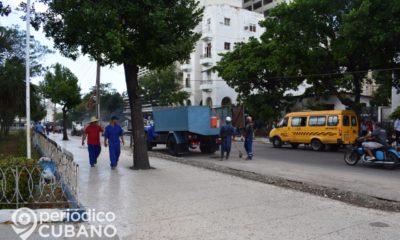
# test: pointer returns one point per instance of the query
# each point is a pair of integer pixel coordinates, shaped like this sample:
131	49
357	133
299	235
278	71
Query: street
322	168
177	201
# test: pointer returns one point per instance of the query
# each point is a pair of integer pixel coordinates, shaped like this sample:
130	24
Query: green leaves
61	87
145	33
162	87
331	45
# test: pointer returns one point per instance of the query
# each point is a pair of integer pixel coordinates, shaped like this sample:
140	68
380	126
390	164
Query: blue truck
184	128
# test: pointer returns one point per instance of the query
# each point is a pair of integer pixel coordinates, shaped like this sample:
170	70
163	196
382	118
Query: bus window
353	121
299	121
283	123
333	121
346	121
317	121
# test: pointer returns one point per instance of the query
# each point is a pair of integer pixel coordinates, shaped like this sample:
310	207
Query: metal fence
49	183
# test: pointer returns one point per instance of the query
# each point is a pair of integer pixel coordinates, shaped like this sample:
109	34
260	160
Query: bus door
299	129
353	129
346	129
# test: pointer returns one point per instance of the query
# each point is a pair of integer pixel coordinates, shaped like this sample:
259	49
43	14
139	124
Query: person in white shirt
397	130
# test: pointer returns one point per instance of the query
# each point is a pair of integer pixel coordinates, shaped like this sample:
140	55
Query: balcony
206	36
206	60
186	67
206	85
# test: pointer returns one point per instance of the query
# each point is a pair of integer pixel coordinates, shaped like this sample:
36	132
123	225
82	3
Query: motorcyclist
375	140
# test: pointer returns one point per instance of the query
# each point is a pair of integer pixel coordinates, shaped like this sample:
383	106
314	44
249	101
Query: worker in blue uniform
226	133
249	137
113	136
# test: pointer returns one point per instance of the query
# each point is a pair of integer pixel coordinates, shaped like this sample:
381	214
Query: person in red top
92	132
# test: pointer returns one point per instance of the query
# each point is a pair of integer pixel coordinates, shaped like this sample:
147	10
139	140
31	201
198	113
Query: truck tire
172	146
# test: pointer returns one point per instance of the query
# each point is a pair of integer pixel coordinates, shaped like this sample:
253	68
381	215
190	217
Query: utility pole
28	82
98	91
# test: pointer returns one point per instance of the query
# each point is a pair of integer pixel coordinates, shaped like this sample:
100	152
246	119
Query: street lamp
27	81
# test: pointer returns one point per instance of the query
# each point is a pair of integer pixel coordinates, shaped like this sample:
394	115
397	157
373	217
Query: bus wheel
276	142
317	145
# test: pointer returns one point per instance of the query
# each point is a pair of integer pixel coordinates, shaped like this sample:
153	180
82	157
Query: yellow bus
316	128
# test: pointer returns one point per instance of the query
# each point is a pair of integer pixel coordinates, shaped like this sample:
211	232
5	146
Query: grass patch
14	145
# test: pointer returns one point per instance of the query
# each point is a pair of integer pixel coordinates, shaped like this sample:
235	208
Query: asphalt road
324	168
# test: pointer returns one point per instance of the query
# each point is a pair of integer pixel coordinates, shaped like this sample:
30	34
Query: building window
208	73
227	21
245	1
208	51
257	5
250	8
227	46
252	28
266	13
267	2
187	81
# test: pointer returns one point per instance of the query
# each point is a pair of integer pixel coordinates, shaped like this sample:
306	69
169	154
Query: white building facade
262	6
224	24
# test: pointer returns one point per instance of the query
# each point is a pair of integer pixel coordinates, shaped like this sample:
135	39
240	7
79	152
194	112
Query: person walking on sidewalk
397	131
248	138
226	132
92	133
112	135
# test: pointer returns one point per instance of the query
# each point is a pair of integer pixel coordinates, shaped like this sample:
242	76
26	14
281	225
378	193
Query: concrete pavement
176	201
303	165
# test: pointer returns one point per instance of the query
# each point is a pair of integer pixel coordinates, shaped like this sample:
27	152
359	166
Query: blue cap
114	118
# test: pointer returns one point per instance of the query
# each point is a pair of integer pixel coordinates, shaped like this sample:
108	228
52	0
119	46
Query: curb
353	198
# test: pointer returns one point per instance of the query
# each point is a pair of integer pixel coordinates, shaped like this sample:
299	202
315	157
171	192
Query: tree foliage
61	87
133	33
162	87
4	9
256	76
111	104
331	45
12	77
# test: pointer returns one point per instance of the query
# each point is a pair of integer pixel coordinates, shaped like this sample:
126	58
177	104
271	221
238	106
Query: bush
28	173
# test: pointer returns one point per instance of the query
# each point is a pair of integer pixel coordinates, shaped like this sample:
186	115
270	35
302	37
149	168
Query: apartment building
261	6
224	24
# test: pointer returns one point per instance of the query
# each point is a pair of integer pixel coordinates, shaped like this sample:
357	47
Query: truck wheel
172	146
317	145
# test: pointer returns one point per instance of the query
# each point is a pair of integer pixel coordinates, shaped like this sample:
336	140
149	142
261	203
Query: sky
83	68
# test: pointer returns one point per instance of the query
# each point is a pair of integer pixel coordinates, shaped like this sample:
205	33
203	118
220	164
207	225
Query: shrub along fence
51	182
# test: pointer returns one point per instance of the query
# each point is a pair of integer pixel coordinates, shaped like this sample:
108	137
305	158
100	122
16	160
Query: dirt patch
357	199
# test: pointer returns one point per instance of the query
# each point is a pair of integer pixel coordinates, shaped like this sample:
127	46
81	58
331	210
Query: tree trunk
357	79
65	134
140	156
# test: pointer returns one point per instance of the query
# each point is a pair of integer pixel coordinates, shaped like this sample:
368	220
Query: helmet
228	119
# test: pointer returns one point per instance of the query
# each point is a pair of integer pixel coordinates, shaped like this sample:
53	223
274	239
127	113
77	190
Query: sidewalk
176	201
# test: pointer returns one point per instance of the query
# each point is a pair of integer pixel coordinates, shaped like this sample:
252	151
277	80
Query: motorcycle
386	156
